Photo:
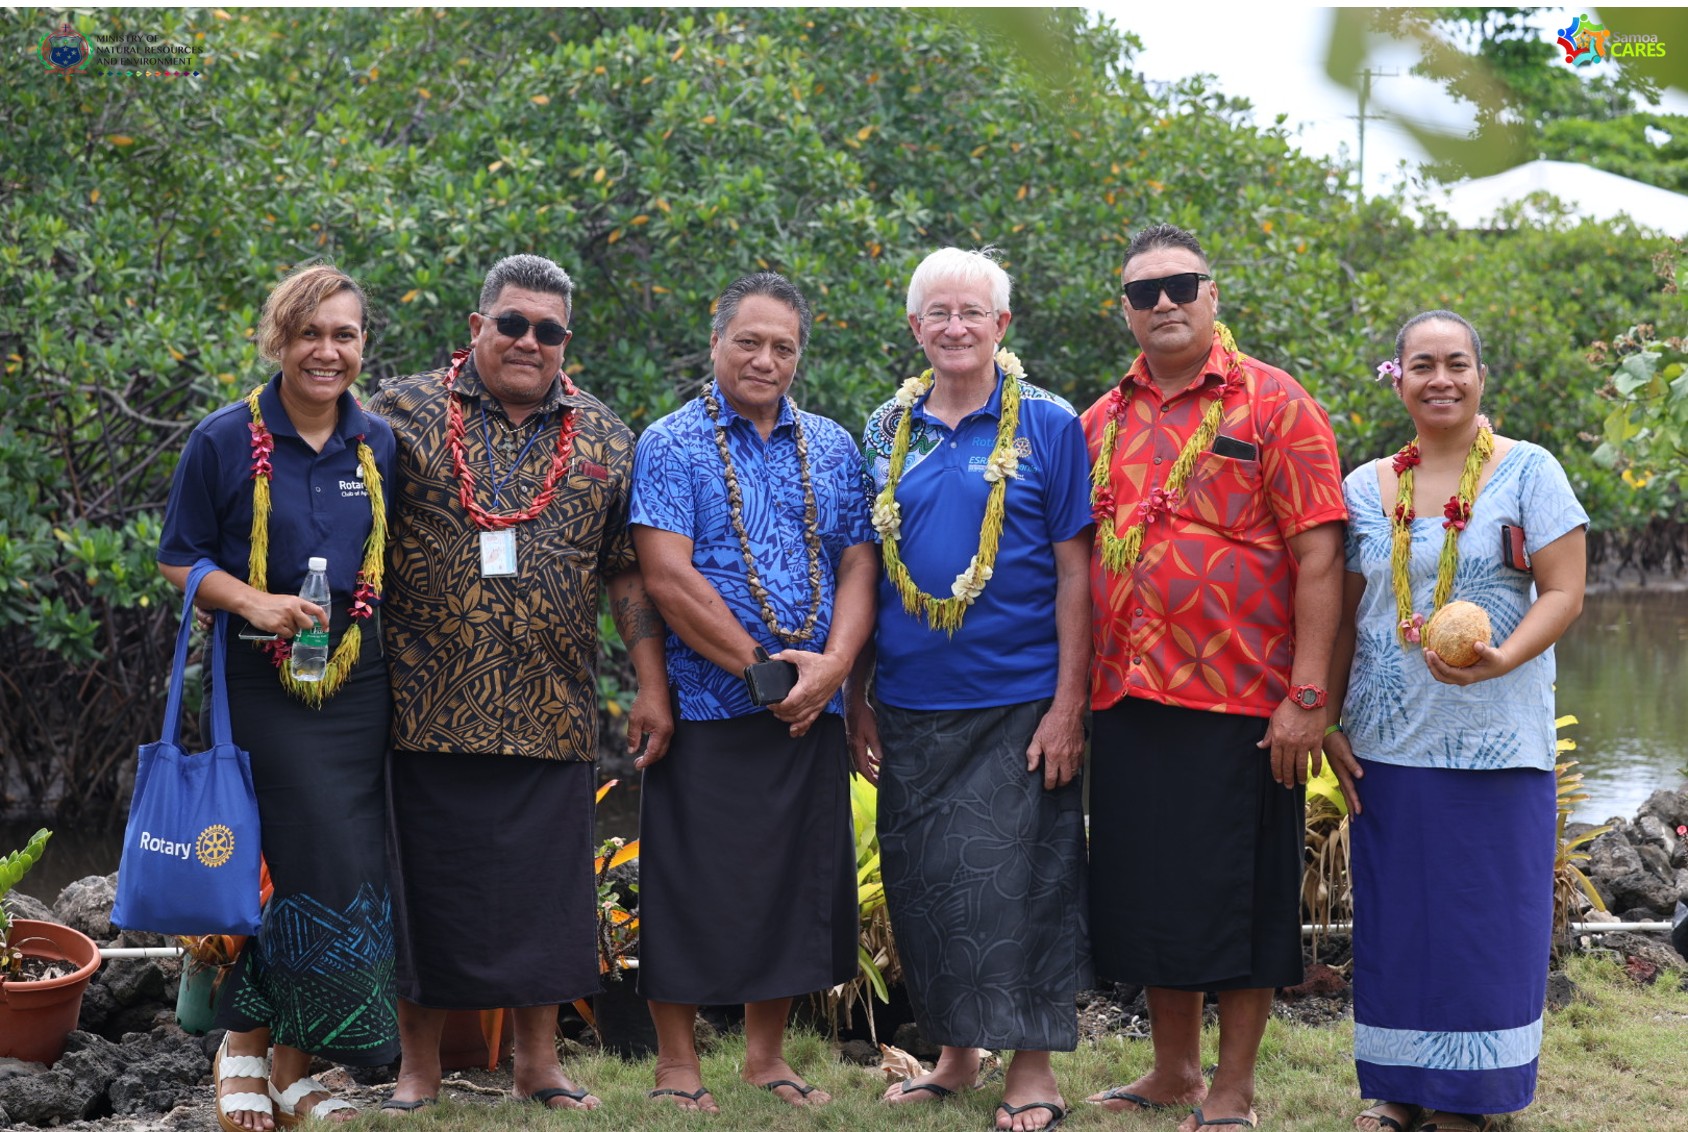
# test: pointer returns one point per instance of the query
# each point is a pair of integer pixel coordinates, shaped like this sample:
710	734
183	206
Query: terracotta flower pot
35	1018
477	1039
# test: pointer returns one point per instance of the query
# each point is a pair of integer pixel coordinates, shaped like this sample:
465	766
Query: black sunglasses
1182	288
549	333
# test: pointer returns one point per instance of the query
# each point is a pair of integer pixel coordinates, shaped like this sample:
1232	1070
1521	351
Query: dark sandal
696	1098
1415	1113
937	1090
393	1104
1239	1121
544	1097
1121	1093
1016	1110
802	1090
1472	1123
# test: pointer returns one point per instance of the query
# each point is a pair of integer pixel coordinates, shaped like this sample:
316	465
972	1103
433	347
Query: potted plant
44	969
616	1013
206	963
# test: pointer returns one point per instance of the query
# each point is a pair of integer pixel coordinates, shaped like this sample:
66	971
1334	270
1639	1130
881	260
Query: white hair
960	266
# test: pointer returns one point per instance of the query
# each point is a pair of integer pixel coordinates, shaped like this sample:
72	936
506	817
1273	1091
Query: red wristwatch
1309	696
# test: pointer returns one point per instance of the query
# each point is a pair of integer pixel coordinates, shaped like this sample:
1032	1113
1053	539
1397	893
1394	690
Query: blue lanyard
491	471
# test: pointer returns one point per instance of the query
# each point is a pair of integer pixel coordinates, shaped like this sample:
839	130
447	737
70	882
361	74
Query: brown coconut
1454	631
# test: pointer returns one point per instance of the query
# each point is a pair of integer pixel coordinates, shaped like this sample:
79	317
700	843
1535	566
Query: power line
1366	76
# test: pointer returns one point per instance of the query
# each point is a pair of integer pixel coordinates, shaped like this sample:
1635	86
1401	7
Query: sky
1280	69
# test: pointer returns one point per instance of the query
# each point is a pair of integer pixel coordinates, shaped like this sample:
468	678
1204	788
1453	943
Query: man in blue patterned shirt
753	537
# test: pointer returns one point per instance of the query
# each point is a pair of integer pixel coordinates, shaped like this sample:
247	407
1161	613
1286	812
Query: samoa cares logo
213	847
1586	43
65	52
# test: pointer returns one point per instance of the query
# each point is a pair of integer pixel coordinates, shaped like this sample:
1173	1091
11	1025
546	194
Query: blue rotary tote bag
191	852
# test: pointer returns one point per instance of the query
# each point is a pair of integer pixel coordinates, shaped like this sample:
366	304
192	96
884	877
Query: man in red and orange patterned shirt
1217	584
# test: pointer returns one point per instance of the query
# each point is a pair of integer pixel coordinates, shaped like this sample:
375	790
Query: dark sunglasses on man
549	333
1182	288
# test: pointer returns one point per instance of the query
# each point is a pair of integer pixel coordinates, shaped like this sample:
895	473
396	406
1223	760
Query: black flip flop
1239	1121
937	1090
802	1090
696	1098
544	1097
1119	1093
1016	1110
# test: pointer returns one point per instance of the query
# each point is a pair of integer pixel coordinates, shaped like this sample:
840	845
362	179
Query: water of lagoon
1623	672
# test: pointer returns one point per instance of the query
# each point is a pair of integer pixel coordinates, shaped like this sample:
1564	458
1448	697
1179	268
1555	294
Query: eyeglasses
1182	288
971	317
549	333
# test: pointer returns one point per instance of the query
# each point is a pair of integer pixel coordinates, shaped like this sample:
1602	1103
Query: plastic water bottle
309	658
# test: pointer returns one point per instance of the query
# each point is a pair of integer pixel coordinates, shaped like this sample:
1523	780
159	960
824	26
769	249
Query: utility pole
1366	76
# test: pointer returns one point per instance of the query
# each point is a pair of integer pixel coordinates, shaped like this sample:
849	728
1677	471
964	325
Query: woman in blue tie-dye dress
1453	854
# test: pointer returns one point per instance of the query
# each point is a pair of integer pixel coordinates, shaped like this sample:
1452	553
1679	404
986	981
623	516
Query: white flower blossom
1010	364
911	390
1003	464
887	517
970	583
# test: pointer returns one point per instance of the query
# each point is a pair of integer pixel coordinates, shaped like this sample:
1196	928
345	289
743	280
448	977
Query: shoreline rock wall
1640	867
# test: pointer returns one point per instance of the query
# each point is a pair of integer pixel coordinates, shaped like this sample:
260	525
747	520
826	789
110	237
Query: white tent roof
1588	192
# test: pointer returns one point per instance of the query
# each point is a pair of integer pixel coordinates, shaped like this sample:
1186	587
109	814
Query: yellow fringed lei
1458	511
1120	552
346	654
947	613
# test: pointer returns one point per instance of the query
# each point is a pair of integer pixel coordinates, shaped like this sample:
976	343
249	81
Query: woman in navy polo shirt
292	471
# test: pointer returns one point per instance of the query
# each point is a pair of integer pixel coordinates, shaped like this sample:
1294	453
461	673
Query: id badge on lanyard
498	553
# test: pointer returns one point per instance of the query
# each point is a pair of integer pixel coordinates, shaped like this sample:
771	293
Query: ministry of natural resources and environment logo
64	51
1587	43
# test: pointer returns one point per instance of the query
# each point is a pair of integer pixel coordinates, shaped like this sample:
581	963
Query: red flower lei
455	432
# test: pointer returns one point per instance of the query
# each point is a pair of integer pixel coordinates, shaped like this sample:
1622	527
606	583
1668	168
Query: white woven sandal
230	1066
287	1102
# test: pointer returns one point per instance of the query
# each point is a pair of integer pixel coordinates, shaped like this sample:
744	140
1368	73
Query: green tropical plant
618	928
1326	894
1570	884
1645	435
12	868
877	965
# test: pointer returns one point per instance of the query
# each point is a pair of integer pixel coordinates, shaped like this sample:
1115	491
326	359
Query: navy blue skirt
319	973
1453	921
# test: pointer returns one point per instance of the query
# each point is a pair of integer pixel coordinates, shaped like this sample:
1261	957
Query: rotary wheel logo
215	845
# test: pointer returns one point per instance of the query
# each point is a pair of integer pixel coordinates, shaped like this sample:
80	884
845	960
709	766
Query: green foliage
1529	104
1621	146
1646	433
12	868
876	951
657	154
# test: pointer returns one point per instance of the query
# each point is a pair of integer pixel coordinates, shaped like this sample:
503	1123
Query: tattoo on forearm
636	620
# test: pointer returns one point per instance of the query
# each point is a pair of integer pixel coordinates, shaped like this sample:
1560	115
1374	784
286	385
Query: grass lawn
1615	1060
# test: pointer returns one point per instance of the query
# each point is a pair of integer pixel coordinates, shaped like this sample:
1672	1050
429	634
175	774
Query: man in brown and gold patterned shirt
510	517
